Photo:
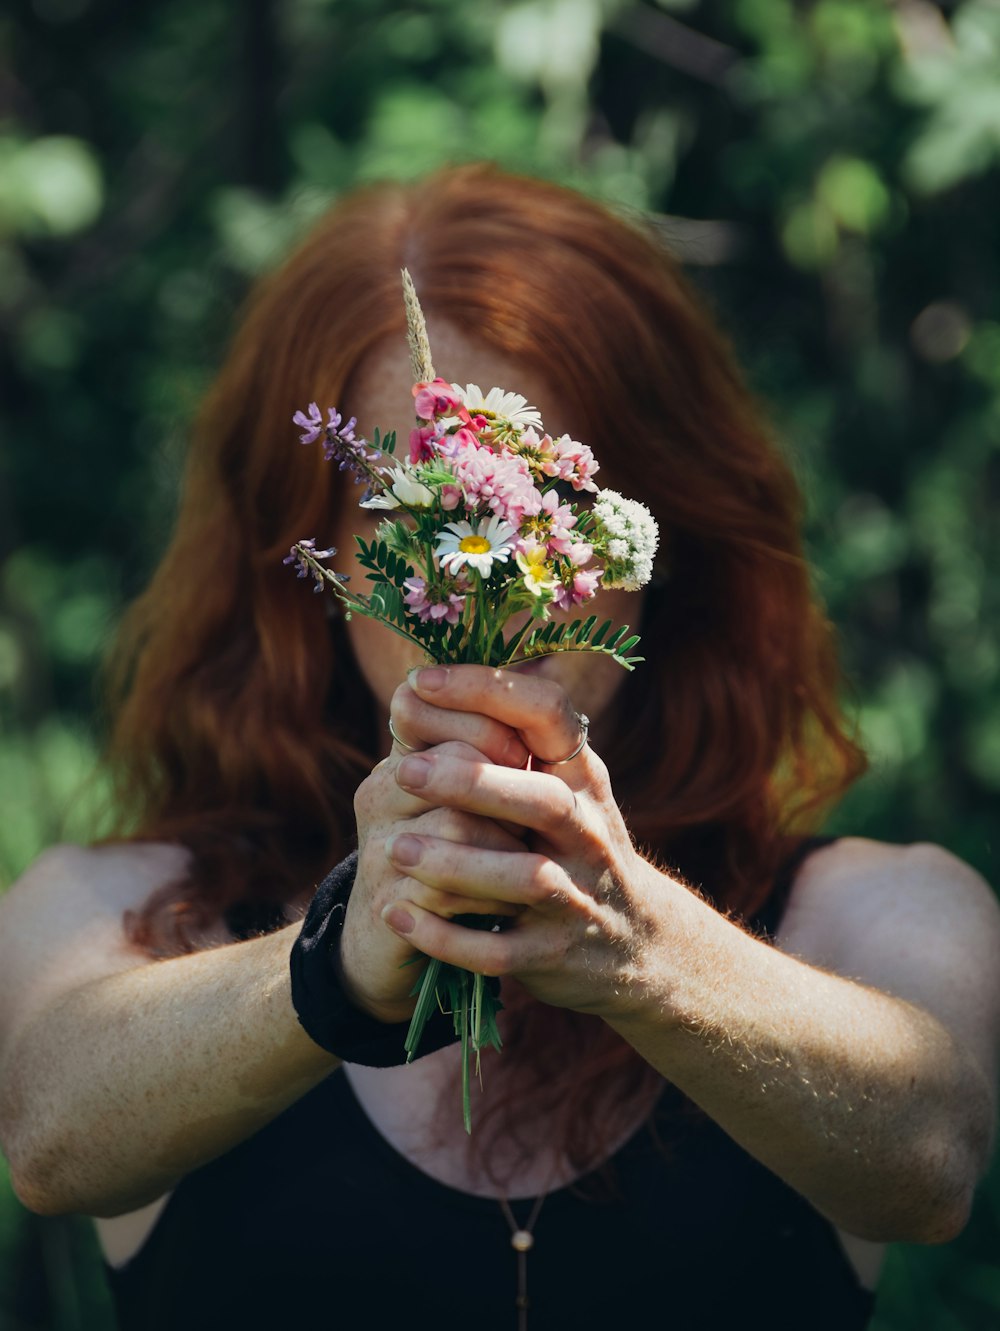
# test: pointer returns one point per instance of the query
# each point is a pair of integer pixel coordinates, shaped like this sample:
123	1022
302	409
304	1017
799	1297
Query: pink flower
435	399
435	603
539	452
579	553
561	520
422	441
463	438
576	463
579	588
498	481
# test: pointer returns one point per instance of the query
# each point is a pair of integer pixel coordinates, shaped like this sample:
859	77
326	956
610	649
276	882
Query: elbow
48	1180
33	1165
940	1220
34	1185
912	1215
927	1197
49	1186
41	1172
49	1192
950	1163
943	1188
946	1223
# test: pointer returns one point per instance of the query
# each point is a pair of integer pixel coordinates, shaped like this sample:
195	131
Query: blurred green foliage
828	171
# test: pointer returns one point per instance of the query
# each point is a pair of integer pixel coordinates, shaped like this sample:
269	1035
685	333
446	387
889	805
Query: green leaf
388	601
384	443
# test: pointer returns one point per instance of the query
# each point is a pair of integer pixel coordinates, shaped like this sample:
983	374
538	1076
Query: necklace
522	1240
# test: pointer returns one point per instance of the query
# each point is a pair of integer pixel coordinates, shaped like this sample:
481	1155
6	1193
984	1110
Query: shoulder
913	920
61	921
87	882
856	884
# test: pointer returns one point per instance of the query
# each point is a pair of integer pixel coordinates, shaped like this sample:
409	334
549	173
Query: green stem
466	1101
426	991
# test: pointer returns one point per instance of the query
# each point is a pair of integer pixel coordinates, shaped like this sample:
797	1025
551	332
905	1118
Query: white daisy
506	406
462	543
402	488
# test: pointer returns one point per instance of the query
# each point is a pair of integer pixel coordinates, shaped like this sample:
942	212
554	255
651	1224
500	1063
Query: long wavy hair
241	726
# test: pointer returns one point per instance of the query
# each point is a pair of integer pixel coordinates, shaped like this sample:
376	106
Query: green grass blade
426	990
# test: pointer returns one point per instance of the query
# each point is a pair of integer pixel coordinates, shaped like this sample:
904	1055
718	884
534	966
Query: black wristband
324	1011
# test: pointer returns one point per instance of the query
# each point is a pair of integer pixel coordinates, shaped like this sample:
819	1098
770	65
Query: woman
678	1097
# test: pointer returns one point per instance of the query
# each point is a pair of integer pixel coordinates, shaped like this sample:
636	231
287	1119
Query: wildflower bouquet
487	517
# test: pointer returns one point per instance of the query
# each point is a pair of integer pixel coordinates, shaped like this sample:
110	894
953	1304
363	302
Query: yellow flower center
474	545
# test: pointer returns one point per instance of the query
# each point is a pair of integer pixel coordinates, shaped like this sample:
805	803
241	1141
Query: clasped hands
462	825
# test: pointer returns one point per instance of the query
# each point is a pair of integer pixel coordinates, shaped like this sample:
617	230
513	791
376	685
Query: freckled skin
379	395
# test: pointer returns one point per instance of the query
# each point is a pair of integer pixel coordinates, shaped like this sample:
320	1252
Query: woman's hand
583	904
372	957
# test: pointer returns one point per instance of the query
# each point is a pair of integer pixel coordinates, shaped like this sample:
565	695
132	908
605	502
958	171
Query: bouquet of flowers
487	517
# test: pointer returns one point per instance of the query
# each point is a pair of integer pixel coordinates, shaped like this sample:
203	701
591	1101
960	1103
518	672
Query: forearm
117	1090
861	1101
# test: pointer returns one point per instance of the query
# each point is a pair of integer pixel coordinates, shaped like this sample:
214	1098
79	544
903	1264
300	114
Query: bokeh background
828	171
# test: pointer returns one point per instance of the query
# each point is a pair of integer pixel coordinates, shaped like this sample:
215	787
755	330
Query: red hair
242	728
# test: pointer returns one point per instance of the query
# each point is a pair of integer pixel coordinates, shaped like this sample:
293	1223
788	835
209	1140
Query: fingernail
399	920
413	772
404	849
429	679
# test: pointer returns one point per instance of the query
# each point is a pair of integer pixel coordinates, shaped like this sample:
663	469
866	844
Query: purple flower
312	425
340	445
432	603
297	556
339	441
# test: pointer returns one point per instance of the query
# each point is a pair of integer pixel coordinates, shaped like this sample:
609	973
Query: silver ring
584	736
401	742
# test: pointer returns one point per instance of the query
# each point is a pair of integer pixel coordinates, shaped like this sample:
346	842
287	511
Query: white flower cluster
631	536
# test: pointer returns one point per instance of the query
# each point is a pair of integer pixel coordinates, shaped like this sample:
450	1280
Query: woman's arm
869	1090
118	1074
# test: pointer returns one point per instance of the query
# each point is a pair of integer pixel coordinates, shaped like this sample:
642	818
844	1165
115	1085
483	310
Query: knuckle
551	697
459	748
590	835
561	806
447	824
363	797
445	904
597	771
501	960
542	884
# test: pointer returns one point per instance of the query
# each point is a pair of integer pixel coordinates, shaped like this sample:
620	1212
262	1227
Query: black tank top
317	1220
